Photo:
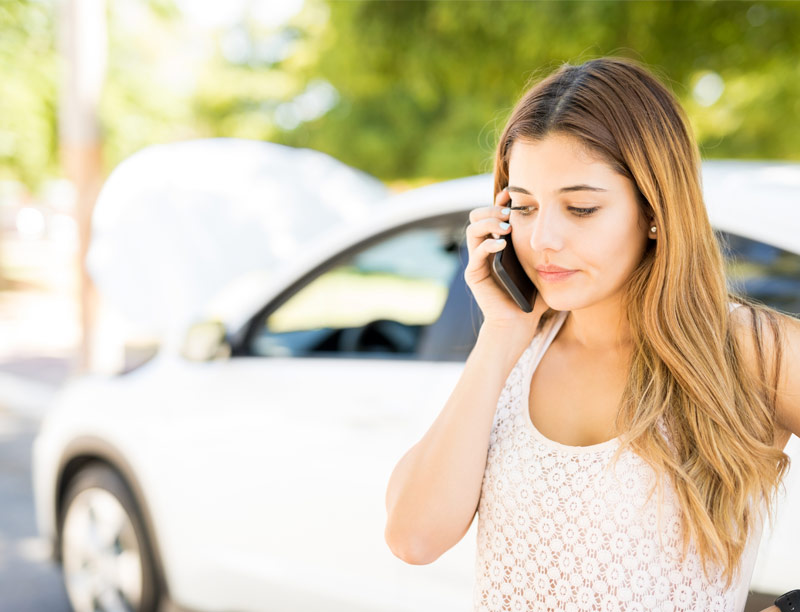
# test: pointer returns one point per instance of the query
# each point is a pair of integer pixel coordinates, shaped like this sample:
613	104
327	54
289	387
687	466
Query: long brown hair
688	371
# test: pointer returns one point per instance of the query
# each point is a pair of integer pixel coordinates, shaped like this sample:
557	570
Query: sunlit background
410	92
407	92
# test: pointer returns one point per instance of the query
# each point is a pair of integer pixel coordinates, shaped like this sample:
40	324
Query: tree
424	86
28	106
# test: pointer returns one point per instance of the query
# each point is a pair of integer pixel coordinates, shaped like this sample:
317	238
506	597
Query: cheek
623	246
612	245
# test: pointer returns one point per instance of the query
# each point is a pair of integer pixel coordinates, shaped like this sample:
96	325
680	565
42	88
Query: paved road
28	581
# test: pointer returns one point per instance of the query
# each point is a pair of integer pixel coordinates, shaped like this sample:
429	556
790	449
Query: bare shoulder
788	396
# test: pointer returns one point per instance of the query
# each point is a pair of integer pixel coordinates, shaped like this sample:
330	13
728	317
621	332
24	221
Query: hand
498	308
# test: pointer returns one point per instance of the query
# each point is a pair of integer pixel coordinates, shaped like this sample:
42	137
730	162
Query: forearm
434	490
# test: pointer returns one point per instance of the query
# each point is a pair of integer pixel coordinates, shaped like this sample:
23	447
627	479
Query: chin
558	302
564	301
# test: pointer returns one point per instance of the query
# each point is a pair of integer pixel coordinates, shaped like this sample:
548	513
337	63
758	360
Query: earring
653	229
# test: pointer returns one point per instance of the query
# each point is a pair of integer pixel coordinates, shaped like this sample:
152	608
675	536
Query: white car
245	469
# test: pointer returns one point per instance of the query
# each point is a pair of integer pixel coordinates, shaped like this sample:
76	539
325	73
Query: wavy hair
688	378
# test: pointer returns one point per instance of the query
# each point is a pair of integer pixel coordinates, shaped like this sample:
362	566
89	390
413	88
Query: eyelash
580	212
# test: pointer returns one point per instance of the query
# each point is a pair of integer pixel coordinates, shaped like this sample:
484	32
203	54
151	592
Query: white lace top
559	530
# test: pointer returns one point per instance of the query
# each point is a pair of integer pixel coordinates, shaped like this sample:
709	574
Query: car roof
756	199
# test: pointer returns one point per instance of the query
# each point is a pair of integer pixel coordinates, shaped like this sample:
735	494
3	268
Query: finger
477	214
502	202
502	197
480	230
478	260
493	245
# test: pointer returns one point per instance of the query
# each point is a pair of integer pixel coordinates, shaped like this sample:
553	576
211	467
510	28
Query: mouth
555	274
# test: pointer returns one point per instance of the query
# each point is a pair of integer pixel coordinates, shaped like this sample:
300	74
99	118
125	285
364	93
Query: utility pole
83	45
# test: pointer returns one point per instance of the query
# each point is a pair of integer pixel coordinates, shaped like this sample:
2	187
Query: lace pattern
560	528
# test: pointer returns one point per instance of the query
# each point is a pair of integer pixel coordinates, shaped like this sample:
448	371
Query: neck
600	327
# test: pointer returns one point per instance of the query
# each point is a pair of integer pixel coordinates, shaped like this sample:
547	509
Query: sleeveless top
561	529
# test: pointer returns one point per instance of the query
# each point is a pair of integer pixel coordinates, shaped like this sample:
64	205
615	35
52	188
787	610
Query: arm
434	490
788	394
788	404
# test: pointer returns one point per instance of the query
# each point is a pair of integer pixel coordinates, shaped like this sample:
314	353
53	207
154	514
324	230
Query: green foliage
418	89
28	147
426	86
147	95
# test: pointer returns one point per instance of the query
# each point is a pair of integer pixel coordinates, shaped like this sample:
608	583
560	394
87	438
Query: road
28	581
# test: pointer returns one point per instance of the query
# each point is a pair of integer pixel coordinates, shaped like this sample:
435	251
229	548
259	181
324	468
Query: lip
554	273
553	269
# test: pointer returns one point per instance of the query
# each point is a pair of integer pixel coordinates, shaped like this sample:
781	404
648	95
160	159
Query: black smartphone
508	273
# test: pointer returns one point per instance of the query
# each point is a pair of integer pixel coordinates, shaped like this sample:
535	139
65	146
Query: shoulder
782	347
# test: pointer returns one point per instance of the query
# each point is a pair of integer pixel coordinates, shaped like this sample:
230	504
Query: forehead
555	161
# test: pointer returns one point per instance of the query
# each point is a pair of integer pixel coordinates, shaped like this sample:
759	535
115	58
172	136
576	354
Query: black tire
100	476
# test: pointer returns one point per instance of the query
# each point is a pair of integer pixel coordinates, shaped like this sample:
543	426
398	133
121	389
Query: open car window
379	301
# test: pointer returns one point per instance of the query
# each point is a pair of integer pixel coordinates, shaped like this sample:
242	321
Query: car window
767	273
376	302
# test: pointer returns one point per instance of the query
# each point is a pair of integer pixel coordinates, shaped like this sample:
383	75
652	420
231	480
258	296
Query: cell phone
506	270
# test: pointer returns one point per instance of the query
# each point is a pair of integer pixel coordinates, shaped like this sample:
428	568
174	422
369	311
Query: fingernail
505	211
500	241
504	225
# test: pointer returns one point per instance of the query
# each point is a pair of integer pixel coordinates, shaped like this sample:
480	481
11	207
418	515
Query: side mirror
206	341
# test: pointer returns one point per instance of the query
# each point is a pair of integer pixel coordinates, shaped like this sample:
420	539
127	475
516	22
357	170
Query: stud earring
653	229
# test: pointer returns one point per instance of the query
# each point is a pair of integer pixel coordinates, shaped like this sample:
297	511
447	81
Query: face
603	243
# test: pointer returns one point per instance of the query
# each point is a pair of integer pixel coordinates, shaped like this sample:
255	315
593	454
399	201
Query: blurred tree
150	78
28	101
28	148
412	89
424	87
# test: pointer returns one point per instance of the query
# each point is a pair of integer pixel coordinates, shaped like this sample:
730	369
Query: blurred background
408	92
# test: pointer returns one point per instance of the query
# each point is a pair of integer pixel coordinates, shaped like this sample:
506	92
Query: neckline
547	336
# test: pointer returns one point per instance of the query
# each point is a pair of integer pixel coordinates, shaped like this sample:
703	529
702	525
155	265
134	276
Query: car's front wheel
106	557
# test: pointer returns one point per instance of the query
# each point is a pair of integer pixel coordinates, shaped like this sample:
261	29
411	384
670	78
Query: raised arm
434	490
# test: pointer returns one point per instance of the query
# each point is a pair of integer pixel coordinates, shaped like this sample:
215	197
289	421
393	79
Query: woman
623	442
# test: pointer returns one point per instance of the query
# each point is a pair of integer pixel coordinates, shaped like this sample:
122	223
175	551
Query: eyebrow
562	190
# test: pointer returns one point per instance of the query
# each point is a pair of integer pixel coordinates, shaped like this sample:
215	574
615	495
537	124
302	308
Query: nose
546	230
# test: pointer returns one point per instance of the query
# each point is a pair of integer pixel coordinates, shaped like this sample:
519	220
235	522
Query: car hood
175	222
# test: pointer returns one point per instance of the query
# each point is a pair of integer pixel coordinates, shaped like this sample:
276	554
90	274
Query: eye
583	212
525	211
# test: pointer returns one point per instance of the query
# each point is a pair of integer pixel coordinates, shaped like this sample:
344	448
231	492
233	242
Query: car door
291	444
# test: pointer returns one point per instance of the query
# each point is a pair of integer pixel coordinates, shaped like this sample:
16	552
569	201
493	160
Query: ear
653	235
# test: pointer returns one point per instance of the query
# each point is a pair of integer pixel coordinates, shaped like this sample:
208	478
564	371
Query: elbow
411	550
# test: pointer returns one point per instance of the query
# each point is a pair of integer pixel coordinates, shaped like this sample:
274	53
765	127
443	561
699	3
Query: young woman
623	443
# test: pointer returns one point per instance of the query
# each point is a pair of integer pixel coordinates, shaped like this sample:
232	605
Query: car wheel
106	557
